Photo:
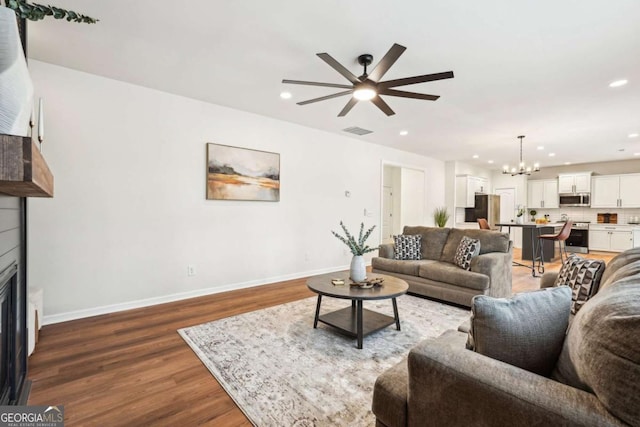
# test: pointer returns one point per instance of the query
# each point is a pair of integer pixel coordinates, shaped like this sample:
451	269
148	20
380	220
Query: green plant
36	12
357	247
533	213
441	216
520	212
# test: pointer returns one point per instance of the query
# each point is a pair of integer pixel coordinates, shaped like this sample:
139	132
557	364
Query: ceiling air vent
357	131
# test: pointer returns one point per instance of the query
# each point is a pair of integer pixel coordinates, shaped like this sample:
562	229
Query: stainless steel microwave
574	199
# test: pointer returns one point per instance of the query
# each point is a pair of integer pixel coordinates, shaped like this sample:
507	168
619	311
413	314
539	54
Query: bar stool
484	224
561	238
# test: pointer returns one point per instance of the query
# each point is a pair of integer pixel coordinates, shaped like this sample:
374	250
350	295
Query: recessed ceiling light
636	154
540	147
475	156
567	163
552	154
633	135
490	162
618	83
285	95
404	132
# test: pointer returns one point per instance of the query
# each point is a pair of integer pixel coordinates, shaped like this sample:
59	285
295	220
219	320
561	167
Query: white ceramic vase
519	220
358	271
15	83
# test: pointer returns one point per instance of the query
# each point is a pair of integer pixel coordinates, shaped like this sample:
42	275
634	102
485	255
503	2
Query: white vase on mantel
358	271
15	83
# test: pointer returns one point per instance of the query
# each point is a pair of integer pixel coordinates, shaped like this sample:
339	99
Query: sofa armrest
496	265
548	279
450	385
386	250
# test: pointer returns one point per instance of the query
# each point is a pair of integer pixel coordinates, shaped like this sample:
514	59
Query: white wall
129	212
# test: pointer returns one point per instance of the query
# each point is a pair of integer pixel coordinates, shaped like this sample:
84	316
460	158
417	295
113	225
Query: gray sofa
441	383
436	276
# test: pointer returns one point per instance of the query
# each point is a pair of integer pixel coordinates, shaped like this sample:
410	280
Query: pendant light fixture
522	169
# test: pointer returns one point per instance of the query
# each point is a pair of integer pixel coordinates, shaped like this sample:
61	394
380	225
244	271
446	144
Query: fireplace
14	386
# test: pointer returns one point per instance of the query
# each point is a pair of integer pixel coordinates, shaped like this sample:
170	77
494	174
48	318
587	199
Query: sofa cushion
490	241
433	240
407	246
620	262
526	330
583	277
467	249
601	353
454	275
410	268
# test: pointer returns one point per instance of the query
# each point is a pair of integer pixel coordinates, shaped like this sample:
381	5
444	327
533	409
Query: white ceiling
540	68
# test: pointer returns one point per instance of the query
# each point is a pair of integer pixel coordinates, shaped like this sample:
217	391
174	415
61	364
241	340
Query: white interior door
387	214
508	207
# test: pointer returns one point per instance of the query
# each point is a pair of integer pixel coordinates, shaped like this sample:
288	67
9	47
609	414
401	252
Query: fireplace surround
14	386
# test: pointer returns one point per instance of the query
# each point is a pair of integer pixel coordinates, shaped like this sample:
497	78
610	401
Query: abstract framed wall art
235	173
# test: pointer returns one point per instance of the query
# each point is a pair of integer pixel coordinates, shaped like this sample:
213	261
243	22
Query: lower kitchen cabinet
610	238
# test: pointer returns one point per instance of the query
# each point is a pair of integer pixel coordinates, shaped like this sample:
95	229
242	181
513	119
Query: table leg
395	313
315	320
359	322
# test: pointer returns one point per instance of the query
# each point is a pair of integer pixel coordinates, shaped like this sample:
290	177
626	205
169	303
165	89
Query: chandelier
522	169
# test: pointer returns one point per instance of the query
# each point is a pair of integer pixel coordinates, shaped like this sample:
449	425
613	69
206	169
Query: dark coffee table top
392	287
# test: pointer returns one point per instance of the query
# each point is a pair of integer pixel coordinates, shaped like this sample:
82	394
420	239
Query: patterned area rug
282	372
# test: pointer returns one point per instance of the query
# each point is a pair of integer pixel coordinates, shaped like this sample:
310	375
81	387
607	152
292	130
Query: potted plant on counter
441	216
532	214
358	270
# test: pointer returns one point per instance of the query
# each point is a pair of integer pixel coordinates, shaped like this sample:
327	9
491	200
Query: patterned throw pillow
467	249
583	277
408	246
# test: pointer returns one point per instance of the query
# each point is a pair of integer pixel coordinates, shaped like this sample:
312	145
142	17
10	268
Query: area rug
282	372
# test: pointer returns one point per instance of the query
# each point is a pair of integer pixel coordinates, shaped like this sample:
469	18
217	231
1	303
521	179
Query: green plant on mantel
36	12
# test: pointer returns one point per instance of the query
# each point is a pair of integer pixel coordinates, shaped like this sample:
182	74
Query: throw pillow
526	330
467	249
601	353
408	246
583	277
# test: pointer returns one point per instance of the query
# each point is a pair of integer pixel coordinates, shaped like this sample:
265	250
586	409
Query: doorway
403	199
508	209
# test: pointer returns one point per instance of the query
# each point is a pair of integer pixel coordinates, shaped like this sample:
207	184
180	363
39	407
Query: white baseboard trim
114	308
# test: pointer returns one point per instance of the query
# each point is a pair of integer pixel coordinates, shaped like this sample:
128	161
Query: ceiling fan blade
300	82
404	94
348	107
323	98
386	62
417	79
383	106
338	67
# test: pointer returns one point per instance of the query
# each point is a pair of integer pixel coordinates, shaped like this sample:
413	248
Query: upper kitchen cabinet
616	191
542	194
466	188
574	182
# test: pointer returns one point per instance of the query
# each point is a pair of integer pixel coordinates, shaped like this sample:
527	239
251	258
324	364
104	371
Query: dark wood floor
133	369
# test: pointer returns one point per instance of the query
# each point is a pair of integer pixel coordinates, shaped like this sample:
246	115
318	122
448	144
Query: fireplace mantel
23	170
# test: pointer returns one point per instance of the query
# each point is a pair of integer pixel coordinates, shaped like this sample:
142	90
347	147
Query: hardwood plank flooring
132	368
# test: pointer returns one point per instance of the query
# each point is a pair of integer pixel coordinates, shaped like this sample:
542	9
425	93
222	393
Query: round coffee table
356	321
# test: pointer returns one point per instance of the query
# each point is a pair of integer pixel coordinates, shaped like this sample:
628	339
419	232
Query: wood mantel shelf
23	171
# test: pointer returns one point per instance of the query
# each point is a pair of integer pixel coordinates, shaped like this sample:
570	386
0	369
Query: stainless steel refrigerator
486	206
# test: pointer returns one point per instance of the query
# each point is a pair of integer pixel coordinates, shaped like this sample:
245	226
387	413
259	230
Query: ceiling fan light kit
522	168
368	87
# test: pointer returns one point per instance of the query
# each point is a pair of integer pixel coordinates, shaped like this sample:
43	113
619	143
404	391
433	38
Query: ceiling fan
368	87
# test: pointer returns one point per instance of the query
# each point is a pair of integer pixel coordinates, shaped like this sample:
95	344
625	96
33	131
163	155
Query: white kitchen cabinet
610	238
616	191
574	183
542	194
466	188
636	237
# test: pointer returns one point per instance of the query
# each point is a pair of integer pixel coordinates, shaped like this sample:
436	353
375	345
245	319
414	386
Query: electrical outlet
191	270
